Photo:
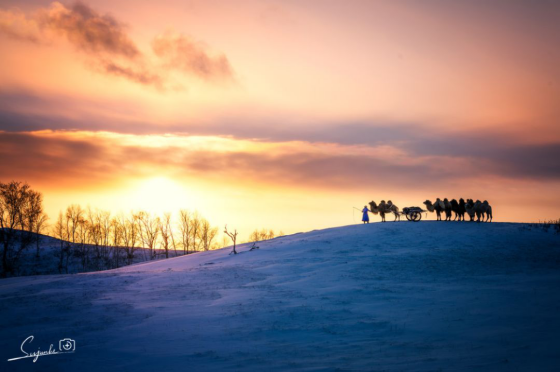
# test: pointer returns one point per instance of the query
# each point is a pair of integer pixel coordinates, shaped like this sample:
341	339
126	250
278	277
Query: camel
393	208
383	208
462	209
438	207
469	208
447	209
481	209
455	209
486	209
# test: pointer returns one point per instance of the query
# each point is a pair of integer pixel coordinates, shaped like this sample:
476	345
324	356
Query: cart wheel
416	217
408	217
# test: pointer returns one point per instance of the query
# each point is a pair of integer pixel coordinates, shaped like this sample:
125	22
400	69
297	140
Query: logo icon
67	345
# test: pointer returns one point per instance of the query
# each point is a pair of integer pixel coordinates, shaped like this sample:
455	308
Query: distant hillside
44	258
426	296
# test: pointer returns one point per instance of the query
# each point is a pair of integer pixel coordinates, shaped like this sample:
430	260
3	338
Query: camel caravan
481	210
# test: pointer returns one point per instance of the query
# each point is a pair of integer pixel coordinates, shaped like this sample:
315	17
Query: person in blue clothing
365	217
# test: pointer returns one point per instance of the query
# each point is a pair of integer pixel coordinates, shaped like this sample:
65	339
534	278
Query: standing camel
384	208
462	209
447	209
486	210
455	209
469	208
438	207
479	210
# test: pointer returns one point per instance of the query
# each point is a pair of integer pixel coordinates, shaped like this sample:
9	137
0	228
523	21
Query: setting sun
159	195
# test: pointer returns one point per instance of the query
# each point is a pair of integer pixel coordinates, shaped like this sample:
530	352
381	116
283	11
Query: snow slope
427	296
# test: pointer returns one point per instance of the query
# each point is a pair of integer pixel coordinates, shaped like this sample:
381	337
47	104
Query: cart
413	213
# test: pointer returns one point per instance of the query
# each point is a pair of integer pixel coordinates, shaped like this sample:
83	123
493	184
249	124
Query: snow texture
427	296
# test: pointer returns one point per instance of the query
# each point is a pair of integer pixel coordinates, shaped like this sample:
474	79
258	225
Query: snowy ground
425	296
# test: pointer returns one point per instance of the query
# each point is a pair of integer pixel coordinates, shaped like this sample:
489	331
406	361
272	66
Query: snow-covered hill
425	296
42	257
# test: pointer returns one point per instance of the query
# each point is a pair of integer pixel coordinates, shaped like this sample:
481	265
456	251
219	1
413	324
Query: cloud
88	30
444	153
179	52
68	156
16	25
138	75
110	49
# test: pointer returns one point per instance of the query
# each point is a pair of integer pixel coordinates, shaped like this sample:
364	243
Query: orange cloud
69	155
16	25
89	30
180	52
110	49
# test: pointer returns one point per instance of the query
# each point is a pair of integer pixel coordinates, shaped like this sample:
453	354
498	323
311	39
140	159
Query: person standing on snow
365	217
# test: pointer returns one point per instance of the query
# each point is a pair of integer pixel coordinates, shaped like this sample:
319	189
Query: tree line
95	239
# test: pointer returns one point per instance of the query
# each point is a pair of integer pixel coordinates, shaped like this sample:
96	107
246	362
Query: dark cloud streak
181	53
90	31
109	48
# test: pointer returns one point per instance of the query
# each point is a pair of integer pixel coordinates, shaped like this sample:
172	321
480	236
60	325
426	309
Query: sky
282	115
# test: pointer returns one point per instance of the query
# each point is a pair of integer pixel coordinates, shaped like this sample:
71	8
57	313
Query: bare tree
93	240
130	234
104	220
116	242
149	232
61	233
166	232
207	234
81	246
34	219
39	228
233	237
20	208
259	235
185	228
94	234
195	230
74	214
